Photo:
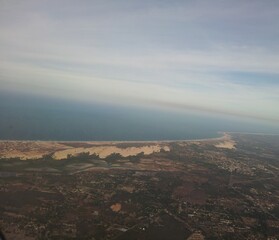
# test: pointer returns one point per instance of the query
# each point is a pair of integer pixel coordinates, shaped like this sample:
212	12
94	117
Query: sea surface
35	118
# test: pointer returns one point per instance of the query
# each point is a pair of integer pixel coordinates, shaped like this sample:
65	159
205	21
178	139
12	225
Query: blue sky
217	56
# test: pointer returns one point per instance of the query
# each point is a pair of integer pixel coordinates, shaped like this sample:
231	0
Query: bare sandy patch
60	150
129	189
116	207
28	149
230	144
104	151
227	142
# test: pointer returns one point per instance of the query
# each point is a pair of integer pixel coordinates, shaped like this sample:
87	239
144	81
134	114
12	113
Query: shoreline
255	133
224	136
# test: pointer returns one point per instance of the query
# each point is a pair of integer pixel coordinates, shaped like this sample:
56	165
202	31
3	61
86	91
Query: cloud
184	54
215	95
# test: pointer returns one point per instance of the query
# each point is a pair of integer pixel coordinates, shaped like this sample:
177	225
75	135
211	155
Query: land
224	188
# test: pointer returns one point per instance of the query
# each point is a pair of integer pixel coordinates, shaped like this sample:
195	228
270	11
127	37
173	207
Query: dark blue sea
37	118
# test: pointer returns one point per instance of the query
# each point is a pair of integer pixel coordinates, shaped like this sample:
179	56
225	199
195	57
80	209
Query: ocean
36	118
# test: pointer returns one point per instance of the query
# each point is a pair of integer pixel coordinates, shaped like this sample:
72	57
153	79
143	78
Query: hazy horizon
142	64
217	56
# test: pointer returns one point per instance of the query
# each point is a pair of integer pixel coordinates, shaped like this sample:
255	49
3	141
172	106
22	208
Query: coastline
34	149
255	133
224	136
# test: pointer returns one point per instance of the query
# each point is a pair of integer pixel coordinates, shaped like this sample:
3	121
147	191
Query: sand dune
60	150
104	151
228	142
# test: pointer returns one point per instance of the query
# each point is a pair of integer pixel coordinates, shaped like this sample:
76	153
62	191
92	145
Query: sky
219	56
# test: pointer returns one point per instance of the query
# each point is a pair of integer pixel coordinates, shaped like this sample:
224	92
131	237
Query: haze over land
215	56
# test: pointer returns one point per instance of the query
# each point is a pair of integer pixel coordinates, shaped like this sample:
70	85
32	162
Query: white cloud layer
220	57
